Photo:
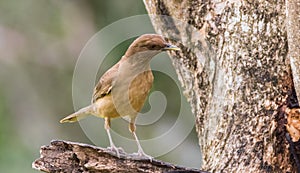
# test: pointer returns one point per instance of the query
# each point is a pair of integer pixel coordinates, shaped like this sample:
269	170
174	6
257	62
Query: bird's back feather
105	83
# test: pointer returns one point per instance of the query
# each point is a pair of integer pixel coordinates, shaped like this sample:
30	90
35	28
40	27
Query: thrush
124	88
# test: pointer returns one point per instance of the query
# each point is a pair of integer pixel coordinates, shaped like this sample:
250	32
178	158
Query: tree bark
293	32
237	77
64	156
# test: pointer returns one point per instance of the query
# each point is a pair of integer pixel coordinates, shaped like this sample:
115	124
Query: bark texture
293	32
236	75
64	156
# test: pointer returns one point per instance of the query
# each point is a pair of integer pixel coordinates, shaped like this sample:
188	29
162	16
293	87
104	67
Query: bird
124	88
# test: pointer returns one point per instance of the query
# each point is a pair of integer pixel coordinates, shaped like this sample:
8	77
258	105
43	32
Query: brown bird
123	89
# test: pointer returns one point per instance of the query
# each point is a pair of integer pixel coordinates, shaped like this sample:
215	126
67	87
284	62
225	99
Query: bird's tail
82	113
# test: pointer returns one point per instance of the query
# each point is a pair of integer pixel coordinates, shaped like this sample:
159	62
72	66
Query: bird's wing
105	83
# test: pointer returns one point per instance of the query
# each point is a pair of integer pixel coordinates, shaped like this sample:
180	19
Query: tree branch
65	156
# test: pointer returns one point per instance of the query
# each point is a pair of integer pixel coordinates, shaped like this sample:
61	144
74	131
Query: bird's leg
141	152
112	145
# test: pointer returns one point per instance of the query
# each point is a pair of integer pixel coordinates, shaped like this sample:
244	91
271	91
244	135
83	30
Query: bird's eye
153	47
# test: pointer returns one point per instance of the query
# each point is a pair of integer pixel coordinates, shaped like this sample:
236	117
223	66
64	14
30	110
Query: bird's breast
130	92
139	89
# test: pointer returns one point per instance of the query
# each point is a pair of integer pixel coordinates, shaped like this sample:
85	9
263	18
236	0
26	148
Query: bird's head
149	44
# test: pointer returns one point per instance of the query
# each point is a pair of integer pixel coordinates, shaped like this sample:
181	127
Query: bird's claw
143	156
116	150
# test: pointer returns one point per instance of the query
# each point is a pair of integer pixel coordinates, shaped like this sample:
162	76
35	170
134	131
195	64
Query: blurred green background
40	42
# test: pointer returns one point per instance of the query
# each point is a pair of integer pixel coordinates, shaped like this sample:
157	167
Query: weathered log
65	156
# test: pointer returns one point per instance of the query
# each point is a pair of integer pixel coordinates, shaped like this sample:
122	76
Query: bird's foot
116	150
142	155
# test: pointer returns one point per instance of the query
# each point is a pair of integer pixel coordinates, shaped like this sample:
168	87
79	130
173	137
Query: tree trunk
236	73
293	32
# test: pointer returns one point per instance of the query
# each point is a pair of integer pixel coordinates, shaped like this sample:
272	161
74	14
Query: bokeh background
40	42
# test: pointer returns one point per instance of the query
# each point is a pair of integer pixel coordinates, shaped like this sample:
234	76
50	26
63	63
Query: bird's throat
138	62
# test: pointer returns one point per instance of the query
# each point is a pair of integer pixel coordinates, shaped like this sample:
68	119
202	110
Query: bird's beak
170	47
